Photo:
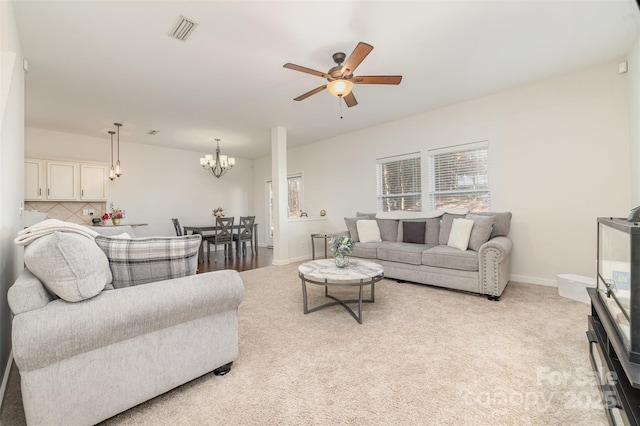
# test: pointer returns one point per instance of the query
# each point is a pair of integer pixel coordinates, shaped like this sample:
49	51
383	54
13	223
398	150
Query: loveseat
421	248
105	323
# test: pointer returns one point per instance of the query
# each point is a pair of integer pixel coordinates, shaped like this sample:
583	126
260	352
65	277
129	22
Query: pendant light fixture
118	168
112	173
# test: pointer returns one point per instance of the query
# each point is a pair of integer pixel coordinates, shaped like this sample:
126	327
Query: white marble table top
326	269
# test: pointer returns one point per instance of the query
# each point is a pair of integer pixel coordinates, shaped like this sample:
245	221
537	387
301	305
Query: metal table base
372	282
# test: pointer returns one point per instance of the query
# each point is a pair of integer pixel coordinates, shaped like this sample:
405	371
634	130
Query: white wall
157	183
558	159
11	168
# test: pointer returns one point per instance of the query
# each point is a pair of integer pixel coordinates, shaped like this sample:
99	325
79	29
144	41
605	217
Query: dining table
213	228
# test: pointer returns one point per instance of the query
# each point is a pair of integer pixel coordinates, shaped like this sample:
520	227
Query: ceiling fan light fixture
340	87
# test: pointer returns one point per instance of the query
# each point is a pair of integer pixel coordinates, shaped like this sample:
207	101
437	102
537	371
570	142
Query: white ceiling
92	63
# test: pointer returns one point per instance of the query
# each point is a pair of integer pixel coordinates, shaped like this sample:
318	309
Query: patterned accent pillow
143	260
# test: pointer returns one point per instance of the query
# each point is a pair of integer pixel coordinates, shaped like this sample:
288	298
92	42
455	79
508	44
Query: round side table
324	235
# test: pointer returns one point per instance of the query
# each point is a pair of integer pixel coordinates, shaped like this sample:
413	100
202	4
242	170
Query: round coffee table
324	272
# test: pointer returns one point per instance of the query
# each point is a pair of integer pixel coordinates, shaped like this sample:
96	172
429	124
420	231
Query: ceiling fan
341	78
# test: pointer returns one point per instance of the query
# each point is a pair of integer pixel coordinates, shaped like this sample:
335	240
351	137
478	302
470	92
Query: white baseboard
533	280
5	378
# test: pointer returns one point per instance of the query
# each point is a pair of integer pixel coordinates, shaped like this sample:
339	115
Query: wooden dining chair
244	234
223	235
176	225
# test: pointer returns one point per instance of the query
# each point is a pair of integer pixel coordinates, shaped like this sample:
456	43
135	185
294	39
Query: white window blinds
399	183
459	177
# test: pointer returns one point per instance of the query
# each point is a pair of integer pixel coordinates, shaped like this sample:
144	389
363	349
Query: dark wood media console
618	378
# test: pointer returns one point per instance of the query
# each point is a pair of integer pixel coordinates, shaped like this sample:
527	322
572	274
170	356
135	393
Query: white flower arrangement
341	246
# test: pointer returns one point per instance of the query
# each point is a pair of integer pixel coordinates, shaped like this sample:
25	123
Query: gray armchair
85	361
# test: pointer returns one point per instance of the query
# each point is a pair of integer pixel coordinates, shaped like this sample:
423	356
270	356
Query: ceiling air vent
183	29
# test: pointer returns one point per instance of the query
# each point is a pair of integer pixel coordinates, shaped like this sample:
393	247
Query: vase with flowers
340	247
116	215
218	212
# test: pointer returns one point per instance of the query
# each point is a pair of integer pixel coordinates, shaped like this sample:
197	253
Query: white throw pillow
368	231
460	233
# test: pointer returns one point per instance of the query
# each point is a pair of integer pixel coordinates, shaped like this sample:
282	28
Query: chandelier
217	166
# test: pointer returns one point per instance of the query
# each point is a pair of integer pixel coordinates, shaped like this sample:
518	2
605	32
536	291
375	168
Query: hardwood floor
241	263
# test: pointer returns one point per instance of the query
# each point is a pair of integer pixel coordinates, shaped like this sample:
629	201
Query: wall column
280	196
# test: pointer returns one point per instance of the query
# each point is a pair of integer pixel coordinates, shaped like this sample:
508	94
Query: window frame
433	193
298	175
416	158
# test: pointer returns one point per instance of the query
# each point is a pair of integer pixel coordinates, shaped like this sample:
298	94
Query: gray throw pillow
70	265
143	260
413	232
388	229
352	228
502	222
433	230
481	231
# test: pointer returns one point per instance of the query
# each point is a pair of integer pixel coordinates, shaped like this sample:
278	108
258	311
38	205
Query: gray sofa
483	267
81	362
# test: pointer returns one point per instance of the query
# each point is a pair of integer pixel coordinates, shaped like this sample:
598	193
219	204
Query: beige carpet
422	356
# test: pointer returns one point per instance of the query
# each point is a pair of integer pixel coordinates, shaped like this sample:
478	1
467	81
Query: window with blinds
399	183
459	177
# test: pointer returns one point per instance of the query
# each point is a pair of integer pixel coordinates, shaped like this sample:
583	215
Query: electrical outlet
85	212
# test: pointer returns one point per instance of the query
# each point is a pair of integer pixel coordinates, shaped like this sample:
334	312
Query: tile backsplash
69	211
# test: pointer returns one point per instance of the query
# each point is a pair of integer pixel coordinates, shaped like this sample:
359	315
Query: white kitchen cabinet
93	182
34	180
55	180
62	180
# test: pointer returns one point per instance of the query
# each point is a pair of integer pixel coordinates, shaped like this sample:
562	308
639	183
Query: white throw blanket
50	226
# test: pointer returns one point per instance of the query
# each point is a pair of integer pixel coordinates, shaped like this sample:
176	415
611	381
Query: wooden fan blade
350	100
378	79
305	69
310	92
357	56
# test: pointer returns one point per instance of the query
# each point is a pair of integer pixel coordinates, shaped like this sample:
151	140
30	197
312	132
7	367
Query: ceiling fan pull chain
340	102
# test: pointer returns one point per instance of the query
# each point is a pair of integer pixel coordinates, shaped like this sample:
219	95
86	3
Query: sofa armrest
27	294
503	245
63	329
341	234
495	265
